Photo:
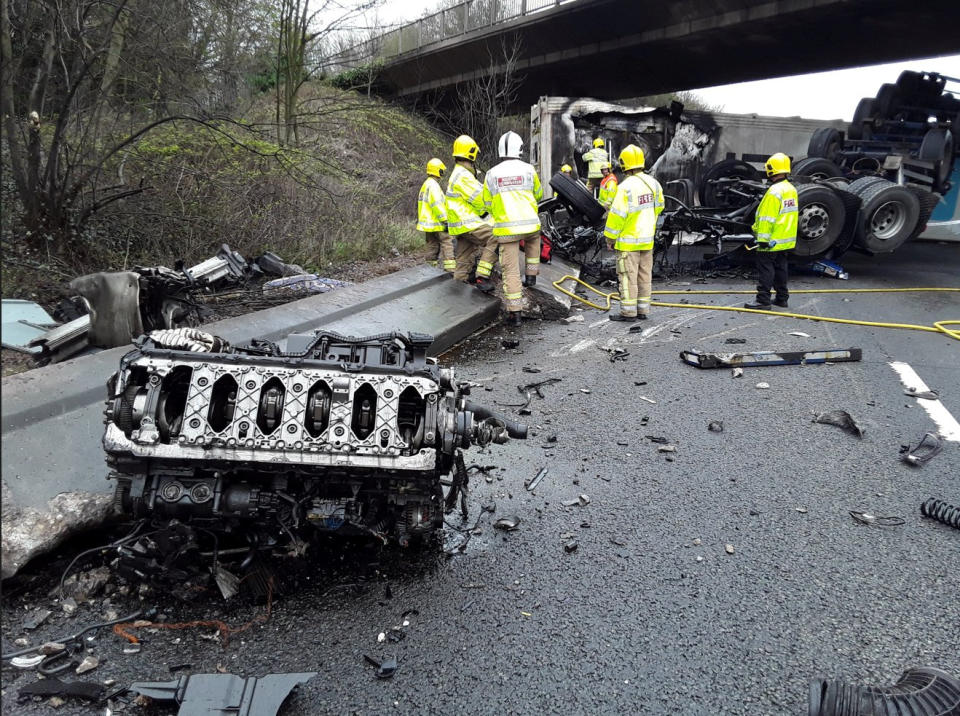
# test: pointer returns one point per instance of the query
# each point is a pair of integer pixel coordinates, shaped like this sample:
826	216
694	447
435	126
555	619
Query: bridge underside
615	50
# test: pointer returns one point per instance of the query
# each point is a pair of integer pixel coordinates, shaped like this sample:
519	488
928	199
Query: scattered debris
571	503
715	426
768	358
27	662
646	399
509	523
737	372
924	394
736	340
802	510
868	519
928	447
86	690
639	382
52	647
842	419
729	549
918	691
69	606
385	668
38	617
763	386
697	542
510	343
530	369
215	694
941	512
574	319
88	664
532	485
657	439
570	546
667	448
800	334
615	354
585	390
304	283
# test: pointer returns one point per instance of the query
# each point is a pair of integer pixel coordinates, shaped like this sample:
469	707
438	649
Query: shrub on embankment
345	191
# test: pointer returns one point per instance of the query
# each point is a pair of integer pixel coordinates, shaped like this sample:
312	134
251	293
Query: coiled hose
482	412
918	692
941	512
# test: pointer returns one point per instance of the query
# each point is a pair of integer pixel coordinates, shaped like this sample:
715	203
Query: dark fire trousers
772	274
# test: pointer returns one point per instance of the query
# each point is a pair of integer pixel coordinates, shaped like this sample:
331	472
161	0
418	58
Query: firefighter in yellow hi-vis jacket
631	227
464	207
775	229
432	217
608	186
595	159
511	191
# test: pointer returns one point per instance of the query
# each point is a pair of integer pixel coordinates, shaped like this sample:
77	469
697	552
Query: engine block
333	432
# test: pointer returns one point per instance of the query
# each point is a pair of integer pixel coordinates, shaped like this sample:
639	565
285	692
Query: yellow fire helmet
436	168
566	169
465	148
631	157
598	142
607	165
779	163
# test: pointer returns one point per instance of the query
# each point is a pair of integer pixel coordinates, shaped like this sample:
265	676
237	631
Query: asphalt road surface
650	613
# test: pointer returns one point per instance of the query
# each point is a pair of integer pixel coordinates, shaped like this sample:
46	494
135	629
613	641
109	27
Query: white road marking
582	345
947	425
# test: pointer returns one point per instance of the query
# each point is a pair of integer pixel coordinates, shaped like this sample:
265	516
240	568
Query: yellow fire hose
937	327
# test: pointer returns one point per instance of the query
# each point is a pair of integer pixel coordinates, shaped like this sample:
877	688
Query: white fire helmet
510	146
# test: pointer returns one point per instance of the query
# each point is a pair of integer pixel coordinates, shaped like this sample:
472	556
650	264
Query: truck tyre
909	84
863	113
709	193
937	146
817	167
888	101
825	142
820	219
859	185
888	216
577	197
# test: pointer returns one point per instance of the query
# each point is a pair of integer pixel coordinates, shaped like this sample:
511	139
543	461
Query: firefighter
432	217
464	207
567	169
775	231
608	186
630	229
594	159
511	191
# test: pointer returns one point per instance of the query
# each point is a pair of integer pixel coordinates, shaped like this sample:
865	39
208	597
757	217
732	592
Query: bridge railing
446	24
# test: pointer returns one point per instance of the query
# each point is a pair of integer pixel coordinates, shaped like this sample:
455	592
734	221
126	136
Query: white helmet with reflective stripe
510	146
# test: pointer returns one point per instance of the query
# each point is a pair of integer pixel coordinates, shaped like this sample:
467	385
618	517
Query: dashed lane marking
947	425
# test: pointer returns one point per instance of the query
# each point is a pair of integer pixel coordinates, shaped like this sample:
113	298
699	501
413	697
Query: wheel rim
814	221
888	220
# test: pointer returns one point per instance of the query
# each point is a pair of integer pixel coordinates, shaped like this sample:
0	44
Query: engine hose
920	692
941	512
936	327
513	428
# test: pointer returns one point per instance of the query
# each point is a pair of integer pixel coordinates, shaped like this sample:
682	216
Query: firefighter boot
514	319
529	281
485	284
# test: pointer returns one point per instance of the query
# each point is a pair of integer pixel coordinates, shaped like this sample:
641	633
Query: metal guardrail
445	24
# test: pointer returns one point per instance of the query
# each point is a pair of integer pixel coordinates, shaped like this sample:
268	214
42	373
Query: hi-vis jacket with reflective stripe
511	191
608	190
464	201
776	223
632	220
594	158
431	207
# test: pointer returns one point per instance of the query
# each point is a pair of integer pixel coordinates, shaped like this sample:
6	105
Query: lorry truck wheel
817	167
863	113
888	100
888	216
819	220
577	197
937	146
825	142
859	185
714	195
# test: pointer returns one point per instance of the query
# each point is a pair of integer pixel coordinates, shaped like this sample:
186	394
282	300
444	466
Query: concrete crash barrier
54	475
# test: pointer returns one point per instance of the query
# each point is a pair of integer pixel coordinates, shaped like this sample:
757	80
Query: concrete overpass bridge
614	49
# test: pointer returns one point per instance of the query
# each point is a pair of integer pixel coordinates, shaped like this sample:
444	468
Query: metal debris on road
217	694
729	549
585	391
737	372
800	334
615	354
27	662
532	485
715	426
570	546
510	523
657	439
88	664
646	399
736	340
763	386
865	518
530	369
667	448
842	419
38	617
769	358
385	668
941	512
802	510
86	690
574	319
928	447
924	394
510	343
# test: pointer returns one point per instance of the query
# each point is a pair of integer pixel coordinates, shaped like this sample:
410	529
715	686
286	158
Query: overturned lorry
268	445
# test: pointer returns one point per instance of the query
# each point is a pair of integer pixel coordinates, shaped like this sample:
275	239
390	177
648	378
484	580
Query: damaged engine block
336	433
